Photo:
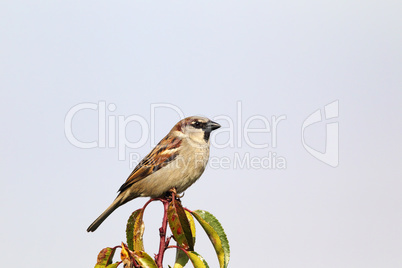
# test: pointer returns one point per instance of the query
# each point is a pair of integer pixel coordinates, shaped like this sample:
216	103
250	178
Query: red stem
163	244
151	200
182	249
188	210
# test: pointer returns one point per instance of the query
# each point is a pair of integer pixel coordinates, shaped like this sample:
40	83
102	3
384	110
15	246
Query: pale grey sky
272	58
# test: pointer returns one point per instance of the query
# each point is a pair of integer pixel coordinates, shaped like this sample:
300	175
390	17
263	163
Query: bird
176	162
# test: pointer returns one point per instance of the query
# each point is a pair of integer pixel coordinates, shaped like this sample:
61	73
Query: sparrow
176	162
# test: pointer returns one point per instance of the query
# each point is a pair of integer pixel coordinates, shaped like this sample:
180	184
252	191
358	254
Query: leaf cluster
182	226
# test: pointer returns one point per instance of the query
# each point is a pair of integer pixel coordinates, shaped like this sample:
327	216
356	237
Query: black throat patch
207	132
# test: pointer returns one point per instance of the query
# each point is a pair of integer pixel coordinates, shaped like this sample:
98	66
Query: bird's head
196	128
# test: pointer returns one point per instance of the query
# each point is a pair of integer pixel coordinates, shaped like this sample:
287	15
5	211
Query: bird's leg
169	195
173	190
173	194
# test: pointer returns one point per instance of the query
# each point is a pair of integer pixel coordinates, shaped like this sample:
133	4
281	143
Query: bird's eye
197	124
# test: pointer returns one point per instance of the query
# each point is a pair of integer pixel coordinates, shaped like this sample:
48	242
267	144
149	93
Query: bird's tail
116	203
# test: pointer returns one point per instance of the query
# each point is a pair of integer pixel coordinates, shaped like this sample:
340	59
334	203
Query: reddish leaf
105	257
179	225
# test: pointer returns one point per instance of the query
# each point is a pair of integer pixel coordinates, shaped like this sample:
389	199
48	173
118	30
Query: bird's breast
180	173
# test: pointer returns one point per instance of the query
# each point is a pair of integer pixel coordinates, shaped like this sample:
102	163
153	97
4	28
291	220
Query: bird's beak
212	125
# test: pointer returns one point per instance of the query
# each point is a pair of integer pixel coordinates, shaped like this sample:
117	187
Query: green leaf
216	234
105	257
144	259
197	260
135	231
181	257
179	225
113	265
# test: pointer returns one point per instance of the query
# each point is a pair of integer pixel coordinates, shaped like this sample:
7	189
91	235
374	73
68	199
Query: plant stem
151	200
162	233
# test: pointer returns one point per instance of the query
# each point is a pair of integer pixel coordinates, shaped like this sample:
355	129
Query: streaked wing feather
163	153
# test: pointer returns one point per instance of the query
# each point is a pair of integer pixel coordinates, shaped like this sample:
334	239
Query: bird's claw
172	193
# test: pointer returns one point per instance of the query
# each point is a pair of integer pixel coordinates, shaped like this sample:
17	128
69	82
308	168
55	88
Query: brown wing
163	153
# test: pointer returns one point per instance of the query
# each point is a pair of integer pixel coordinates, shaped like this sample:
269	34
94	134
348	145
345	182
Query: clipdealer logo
236	132
331	154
